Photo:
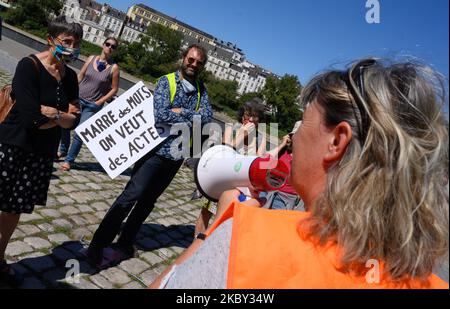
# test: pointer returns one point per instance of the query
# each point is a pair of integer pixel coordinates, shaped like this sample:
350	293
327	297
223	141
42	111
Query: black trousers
150	177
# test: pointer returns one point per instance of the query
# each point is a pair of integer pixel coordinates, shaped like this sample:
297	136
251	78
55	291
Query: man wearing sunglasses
178	98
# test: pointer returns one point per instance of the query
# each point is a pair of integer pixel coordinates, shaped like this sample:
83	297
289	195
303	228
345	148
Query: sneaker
9	276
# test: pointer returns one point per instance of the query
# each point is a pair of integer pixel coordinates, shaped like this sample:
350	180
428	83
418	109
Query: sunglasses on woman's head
107	44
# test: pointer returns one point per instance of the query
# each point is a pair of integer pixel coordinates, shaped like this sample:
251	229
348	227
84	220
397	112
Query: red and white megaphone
221	168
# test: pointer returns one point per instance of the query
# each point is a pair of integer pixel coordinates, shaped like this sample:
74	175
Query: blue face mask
101	65
66	53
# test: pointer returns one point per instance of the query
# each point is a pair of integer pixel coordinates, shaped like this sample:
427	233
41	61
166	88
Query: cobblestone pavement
78	199
48	239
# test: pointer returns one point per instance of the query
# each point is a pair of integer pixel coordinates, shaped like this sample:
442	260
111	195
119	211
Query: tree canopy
32	14
282	94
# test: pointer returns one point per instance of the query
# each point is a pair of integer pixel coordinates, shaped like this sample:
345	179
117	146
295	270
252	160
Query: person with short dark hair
179	97
45	90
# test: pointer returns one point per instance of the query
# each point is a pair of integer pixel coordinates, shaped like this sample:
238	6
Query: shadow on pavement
50	270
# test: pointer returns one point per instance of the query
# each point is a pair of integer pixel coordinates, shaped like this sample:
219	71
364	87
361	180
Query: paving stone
69	210
78	221
32	283
58	238
63	223
81	179
81	232
101	281
133	285
149	276
163	239
100	214
151	258
18	248
63	255
64	200
18	268
165	253
84	188
30	217
85	285
17	234
38	262
115	276
85	209
134	266
51	213
91	219
46	227
94	186
178	250
100	206
148	244
37	242
55	277
68	188
29	229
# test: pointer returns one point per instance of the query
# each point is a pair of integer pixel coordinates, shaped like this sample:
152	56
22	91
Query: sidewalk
50	237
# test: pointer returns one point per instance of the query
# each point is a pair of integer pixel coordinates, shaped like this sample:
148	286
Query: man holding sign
179	97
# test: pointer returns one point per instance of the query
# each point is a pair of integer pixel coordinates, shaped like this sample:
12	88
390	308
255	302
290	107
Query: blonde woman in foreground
369	161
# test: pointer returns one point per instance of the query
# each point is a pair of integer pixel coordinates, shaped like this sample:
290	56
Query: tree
162	46
32	14
222	93
282	94
248	96
156	54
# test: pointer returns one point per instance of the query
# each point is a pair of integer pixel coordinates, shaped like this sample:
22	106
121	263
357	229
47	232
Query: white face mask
187	86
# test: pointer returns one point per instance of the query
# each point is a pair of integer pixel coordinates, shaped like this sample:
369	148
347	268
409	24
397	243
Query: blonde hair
387	198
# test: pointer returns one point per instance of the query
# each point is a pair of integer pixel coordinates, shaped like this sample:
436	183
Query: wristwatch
200	236
57	116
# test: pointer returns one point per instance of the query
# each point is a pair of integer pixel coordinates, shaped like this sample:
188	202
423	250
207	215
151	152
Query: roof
145	7
110	11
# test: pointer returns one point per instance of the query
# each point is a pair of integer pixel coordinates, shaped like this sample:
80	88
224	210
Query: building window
94	40
97	32
89	29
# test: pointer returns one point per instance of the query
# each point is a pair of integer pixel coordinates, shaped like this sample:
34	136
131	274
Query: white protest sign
122	132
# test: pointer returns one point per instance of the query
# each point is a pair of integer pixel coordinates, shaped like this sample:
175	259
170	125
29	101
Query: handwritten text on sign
122	132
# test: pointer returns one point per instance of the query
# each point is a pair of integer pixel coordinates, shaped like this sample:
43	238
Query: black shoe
93	254
128	251
9	276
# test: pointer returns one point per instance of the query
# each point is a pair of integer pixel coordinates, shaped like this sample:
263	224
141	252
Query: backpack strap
173	89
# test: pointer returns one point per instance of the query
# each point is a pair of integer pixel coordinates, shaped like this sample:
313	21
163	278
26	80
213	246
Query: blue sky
304	37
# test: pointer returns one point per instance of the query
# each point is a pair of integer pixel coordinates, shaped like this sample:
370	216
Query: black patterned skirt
24	179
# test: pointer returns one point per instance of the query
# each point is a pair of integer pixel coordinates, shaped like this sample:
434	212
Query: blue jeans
88	109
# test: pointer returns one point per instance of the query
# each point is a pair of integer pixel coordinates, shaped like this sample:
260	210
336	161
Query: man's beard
188	74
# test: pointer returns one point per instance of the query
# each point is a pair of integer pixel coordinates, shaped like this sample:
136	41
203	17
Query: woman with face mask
99	83
45	90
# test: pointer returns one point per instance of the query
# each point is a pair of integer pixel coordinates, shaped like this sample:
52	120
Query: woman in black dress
46	94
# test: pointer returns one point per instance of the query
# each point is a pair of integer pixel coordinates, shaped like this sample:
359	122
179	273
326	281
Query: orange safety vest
267	252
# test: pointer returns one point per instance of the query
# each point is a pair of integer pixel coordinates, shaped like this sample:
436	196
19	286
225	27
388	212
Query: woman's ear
340	137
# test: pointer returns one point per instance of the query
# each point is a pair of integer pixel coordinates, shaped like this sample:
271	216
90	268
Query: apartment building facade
226	60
